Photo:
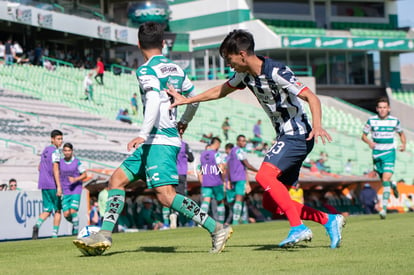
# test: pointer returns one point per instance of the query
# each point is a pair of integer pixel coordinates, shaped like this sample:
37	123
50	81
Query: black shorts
288	154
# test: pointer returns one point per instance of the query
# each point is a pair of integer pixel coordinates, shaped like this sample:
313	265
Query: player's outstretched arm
316	110
211	94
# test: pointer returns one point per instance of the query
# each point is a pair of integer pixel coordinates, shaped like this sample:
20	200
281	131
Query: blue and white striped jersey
277	90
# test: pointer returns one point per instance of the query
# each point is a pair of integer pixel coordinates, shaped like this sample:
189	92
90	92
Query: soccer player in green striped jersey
155	147
383	127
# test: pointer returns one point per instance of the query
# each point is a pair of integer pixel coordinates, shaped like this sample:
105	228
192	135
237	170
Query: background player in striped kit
383	127
278	91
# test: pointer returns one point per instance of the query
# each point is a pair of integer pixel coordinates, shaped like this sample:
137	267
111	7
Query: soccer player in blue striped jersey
155	147
383	127
278	91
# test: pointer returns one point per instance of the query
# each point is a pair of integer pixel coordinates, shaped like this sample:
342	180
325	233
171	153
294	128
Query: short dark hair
56	133
229	146
214	140
383	99
68	145
236	41
151	35
12	180
240	136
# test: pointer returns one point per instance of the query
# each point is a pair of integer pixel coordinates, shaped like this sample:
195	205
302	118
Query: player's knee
267	171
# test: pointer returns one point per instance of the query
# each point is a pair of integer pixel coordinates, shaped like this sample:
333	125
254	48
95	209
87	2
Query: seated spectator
48	65
322	167
408	204
147	218
123	116
368	198
13	185
94	217
206	138
3	187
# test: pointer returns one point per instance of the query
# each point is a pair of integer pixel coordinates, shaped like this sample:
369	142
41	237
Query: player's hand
319	132
372	145
59	192
178	98
181	128
71	179
133	144
402	147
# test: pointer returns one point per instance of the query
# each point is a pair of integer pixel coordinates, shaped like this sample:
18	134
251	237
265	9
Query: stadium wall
20	211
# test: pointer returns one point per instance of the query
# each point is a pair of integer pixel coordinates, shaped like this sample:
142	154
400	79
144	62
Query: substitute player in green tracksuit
155	147
382	128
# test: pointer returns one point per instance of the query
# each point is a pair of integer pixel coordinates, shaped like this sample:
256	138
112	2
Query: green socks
166	216
237	209
114	206
191	210
386	194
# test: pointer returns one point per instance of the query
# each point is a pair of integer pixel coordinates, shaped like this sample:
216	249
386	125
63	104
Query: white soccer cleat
93	245
220	238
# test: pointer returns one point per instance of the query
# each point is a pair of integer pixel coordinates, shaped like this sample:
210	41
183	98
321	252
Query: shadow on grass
148	249
275	247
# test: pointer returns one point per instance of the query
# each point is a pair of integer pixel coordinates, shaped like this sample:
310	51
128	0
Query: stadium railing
58	62
7	141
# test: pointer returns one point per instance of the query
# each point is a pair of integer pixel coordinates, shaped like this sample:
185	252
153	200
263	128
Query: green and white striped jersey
383	131
159	125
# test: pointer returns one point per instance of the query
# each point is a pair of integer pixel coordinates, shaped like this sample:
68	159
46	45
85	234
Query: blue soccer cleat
297	234
334	229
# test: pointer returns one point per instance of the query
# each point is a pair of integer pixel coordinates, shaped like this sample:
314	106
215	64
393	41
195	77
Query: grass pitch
370	246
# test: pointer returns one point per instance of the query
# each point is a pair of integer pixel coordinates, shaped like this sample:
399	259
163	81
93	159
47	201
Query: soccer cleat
297	235
93	245
334	229
35	233
219	239
383	214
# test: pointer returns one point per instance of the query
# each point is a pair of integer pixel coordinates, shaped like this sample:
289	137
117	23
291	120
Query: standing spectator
88	86
18	50
226	128
383	127
257	132
72	173
2	50
278	91
100	69
212	167
13	185
368	198
237	165
257	129
49	183
134	104
8	52
38	54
